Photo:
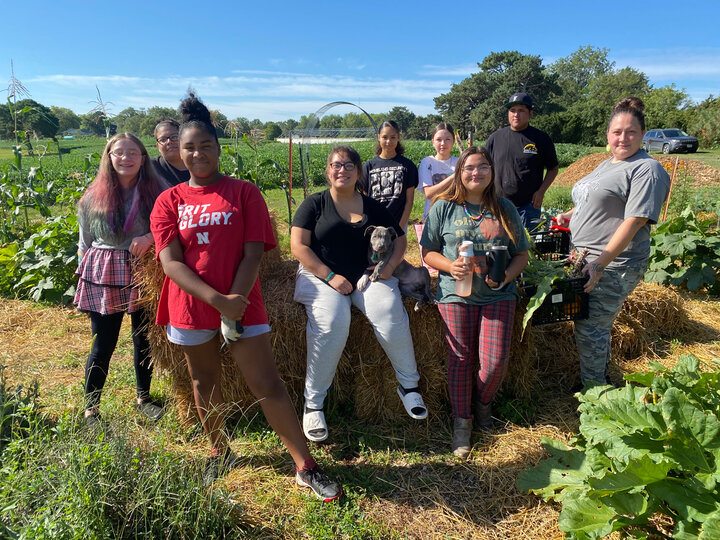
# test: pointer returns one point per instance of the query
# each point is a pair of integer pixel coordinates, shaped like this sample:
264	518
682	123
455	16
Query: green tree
666	107
93	122
6	123
67	119
477	102
36	118
220	121
576	71
242	125
330	121
423	126
130	120
304	121
152	117
272	131
403	117
705	122
288	125
353	120
603	93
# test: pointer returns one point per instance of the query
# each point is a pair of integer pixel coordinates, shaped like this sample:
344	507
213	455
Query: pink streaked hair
102	202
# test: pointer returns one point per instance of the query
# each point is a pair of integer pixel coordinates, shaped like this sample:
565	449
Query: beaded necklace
477	219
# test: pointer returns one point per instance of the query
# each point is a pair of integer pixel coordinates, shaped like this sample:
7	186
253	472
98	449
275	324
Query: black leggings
105	331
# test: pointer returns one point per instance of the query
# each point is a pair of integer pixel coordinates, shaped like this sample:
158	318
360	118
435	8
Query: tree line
572	96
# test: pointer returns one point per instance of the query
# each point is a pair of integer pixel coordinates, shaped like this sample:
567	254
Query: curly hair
195	114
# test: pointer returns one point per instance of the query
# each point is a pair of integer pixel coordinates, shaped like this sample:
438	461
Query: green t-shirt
447	226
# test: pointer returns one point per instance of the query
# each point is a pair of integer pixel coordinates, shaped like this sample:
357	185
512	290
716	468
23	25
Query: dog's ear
369	230
393	233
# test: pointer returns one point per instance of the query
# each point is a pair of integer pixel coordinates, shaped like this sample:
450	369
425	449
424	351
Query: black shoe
150	410
320	484
218	466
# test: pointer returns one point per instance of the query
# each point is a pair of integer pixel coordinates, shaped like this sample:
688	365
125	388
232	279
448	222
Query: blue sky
278	60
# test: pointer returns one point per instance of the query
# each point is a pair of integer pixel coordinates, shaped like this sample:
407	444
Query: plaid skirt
105	282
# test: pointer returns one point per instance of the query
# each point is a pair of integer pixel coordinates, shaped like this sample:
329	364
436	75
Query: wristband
329	277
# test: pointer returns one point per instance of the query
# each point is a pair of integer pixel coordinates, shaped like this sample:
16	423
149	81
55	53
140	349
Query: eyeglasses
479	168
348	166
165	140
132	154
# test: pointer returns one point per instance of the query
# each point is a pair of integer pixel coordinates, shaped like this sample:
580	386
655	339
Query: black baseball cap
520	98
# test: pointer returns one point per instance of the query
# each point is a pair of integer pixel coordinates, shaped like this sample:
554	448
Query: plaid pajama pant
476	335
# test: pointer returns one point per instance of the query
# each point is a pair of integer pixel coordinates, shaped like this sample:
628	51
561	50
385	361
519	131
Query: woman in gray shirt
614	208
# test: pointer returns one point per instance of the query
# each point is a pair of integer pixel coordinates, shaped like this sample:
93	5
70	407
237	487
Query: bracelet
329	277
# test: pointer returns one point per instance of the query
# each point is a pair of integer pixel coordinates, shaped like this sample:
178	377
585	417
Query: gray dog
414	282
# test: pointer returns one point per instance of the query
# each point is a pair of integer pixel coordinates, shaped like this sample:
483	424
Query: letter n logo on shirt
203	238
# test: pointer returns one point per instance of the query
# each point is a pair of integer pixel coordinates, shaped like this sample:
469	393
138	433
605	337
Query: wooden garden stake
672	181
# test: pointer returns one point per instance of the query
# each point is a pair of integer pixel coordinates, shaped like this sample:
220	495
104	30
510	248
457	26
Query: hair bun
630	103
191	108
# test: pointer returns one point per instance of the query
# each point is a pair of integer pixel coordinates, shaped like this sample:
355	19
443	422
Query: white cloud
463	70
675	64
264	94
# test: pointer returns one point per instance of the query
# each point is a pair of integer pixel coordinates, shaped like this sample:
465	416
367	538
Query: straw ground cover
401	481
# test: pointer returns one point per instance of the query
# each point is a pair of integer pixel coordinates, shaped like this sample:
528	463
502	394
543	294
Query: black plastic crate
566	302
556	244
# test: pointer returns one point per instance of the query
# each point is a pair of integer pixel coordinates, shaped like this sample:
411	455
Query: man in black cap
525	160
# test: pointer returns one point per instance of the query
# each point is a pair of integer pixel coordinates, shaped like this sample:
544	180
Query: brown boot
462	429
483	415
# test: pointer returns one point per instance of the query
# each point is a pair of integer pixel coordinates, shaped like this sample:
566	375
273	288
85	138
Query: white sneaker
414	404
314	425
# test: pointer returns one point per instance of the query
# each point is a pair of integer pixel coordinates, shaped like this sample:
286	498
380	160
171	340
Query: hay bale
365	374
651	311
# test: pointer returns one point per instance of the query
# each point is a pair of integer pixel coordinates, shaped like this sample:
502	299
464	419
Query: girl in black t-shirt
390	177
328	238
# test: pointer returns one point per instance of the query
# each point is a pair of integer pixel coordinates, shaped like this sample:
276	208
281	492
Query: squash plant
683	252
652	447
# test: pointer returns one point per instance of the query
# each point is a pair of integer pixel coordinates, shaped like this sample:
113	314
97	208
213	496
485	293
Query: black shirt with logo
520	158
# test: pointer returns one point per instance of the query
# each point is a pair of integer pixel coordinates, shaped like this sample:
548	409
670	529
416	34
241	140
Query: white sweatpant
328	327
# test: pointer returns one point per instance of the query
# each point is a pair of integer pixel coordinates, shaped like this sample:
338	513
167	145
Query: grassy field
137	479
401	481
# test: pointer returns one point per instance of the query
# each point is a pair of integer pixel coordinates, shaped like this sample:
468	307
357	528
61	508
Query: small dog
414	282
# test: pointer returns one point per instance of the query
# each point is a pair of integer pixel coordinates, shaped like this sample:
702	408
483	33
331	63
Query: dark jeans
530	216
105	331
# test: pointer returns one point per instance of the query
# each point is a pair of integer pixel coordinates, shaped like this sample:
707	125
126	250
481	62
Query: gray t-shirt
613	192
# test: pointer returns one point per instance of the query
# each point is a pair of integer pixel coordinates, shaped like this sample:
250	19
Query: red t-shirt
212	223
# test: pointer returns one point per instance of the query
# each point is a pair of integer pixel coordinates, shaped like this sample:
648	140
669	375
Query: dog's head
381	238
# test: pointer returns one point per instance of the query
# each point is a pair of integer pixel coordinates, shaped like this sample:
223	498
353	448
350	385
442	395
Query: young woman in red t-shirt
211	233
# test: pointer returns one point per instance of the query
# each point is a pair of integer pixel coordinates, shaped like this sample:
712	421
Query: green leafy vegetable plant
683	252
652	447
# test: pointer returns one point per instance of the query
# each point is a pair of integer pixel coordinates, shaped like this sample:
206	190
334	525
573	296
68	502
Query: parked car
669	140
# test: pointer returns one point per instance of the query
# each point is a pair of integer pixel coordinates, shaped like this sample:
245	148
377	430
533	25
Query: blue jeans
529	215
